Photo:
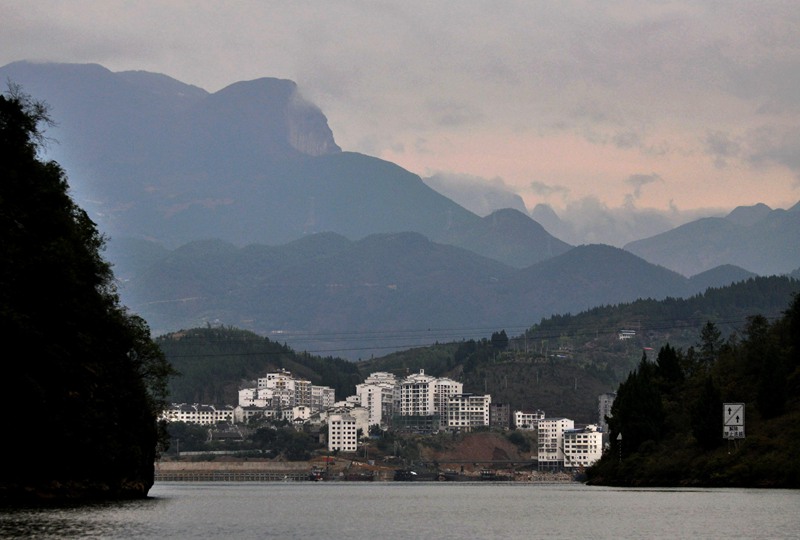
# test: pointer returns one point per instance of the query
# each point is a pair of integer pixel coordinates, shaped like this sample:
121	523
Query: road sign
733	420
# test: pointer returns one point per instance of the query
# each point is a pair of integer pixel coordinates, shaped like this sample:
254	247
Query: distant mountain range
150	157
327	294
757	238
238	207
153	158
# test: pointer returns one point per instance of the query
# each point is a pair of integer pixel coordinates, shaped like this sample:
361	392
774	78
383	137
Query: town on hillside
416	404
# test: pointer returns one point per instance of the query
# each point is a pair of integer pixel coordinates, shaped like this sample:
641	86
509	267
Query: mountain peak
749	215
544	211
277	106
163	85
507	235
261	89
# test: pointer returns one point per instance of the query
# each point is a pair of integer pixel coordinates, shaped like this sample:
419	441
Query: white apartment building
528	419
360	414
443	390
198	414
551	442
468	411
243	414
416	395
424	395
301	413
342	433
247	397
322	397
582	447
381	377
380	399
273	378
302	392
282	390
255	397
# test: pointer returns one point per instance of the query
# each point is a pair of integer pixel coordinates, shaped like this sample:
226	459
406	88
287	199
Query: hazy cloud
772	145
627	139
547	190
479	195
590	221
452	114
638	181
721	147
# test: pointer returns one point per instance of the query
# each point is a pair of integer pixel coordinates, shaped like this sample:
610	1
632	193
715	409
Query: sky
674	107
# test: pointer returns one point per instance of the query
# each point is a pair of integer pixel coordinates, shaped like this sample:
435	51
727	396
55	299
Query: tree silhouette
86	373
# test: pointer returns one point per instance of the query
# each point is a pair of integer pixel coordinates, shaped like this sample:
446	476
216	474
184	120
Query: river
400	510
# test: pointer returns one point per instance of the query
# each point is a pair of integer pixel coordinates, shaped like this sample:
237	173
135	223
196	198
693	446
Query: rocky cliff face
308	128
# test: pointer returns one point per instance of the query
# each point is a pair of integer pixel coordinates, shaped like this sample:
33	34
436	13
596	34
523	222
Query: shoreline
339	471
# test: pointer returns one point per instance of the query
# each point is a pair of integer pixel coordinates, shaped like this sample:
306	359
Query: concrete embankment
231	471
295	471
263	471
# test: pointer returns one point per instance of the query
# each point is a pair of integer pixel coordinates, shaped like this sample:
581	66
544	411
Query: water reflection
72	520
424	510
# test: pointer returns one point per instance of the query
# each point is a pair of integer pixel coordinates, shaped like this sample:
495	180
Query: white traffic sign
733	420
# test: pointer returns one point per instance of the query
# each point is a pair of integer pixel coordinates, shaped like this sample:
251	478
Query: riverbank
330	469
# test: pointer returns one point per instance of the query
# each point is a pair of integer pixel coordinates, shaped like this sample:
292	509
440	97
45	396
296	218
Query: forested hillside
674	320
559	365
667	420
555	383
214	363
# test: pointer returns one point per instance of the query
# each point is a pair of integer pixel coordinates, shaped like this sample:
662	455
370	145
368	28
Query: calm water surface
423	510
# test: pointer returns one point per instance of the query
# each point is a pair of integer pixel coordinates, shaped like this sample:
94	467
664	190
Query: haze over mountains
758	238
153	158
582	221
239	207
387	291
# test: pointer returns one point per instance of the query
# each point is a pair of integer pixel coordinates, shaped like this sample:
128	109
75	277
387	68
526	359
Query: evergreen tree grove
670	412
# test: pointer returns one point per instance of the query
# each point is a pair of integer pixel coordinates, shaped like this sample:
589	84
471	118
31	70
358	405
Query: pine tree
638	412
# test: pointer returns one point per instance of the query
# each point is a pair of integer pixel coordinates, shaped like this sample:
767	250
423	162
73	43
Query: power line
452	334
